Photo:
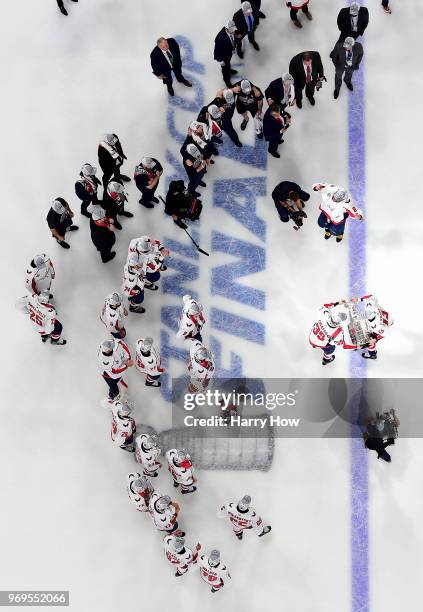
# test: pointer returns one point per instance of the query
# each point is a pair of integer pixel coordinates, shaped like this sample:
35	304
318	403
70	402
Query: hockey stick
197	246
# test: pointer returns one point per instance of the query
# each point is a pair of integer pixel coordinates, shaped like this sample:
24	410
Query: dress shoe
186	83
202	184
240	54
73	228
126	213
232	71
63	10
255	46
276	154
309	16
297	23
299	103
170	91
155	200
109	257
336	94
146	204
125	178
312	100
349	85
262	15
117	225
238	144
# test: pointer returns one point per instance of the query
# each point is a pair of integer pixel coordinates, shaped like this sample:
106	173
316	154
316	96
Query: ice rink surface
66	520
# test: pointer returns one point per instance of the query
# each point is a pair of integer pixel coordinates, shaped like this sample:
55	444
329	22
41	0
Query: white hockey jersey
150	364
182	474
242	520
335	211
189	325
381	322
214	576
142	500
323	333
133	281
39	279
151	261
43	316
123	428
199	371
146	458
182	559
113	318
164	520
114	365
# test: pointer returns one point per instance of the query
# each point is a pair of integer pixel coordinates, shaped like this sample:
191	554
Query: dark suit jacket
281	191
296	68
275	91
241	24
106	161
223	49
159	63
339	55
344	22
271	127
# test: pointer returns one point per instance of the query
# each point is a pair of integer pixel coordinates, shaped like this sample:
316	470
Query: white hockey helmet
245	86
145	344
349	42
244	503
246	8
193	151
287	77
111	139
354	8
202	354
195	125
107	347
163	502
116	191
147	162
181	455
214	111
150	441
88	170
194	309
229	96
335	317
41	260
124	410
144	245
178	544
230	26
214	558
98	213
142	484
44	297
114	300
340	195
58	206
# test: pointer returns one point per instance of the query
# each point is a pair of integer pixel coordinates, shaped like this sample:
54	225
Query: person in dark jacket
225	101
274	126
59	220
62	7
257	4
102	234
346	57
165	58
224	47
147	176
352	21
111	158
281	91
307	71
86	188
195	166
295	6
246	21
289	200
179	202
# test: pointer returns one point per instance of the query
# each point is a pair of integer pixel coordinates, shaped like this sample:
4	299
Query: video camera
182	204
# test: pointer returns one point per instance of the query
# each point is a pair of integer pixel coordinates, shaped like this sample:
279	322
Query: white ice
66	522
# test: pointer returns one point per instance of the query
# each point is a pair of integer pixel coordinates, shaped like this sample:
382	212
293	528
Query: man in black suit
307	70
281	91
111	158
346	58
257	4
273	128
165	57
62	8
246	21
352	21
224	47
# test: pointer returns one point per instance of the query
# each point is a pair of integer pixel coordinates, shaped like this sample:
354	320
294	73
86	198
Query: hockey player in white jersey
113	315
191	319
181	469
151	254
164	512
242	516
148	361
200	366
139	490
123	426
328	331
213	571
336	206
39	275
378	321
114	358
44	318
133	285
146	453
178	554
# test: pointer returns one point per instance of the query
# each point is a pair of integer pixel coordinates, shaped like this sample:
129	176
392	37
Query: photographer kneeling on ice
181	204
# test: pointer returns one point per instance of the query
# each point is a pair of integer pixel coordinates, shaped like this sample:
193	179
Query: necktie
308	73
250	23
169	57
